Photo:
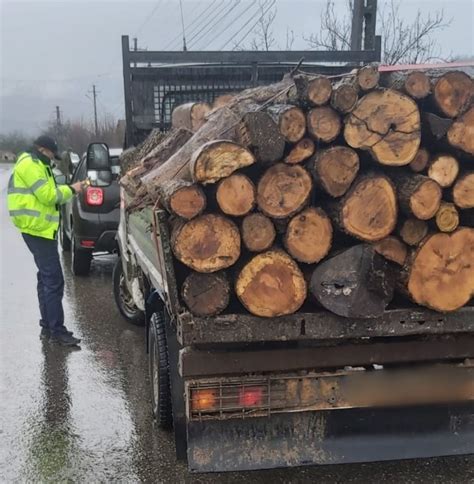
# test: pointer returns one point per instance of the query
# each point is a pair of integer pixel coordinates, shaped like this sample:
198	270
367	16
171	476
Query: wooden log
435	127
182	198
301	151
447	217
369	210
271	284
419	195
283	190
461	133
309	235
444	170
334	169
421	160
206	294
368	77
463	190
324	124
413	230
387	124
356	283
222	100
314	90
290	120
207	243
392	249
258	232
260	134
190	115
440	274
453	93
416	84
345	95
236	195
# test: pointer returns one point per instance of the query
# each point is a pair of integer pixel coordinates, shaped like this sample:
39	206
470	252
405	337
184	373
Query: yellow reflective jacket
34	197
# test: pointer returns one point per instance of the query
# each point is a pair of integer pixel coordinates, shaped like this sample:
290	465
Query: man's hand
78	186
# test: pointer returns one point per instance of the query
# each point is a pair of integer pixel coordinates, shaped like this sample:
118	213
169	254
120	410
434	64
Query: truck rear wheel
159	373
80	258
123	298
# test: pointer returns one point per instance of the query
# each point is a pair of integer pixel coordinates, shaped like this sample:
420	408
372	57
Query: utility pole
59	130
135	48
94	99
357	24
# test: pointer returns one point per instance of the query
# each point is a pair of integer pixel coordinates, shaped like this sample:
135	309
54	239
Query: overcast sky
52	52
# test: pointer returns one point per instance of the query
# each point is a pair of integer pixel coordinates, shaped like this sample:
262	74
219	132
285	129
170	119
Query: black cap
49	143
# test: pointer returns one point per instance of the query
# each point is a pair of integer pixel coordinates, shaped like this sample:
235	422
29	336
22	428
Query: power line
229	24
216	22
190	31
148	17
182	25
255	24
210	20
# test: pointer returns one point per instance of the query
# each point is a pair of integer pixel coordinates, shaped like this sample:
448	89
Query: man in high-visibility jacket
33	204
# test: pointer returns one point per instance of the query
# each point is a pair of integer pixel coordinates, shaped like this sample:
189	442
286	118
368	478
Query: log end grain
236	195
319	91
425	199
393	249
206	294
461	133
368	77
187	201
344	98
207	243
218	159
441	275
309	235
258	232
413	231
271	285
444	170
447	217
453	92
463	191
324	124
301	151
290	120
386	123
421	160
417	85
283	190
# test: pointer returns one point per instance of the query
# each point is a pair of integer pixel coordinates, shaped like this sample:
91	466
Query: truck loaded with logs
302	254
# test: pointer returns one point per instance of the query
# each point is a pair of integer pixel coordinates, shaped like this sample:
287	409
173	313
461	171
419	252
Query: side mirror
98	158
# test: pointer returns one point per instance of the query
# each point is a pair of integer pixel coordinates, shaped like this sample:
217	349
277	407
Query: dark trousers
50	281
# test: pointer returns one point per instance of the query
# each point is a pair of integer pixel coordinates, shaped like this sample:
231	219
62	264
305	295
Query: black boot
64	339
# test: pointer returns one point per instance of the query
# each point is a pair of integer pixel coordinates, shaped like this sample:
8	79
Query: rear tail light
94	196
204	400
251	396
87	243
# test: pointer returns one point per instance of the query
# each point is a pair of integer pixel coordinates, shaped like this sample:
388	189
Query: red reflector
94	196
87	243
251	396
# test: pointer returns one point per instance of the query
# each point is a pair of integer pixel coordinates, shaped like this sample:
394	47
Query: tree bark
291	121
207	243
418	195
324	124
258	232
453	93
444	170
392	249
334	169
206	294
368	77
463	190
368	211
271	285
309	235
236	195
301	151
357	283
283	190
387	124
421	160
461	133
345	95
190	115
440	274
182	198
413	231
313	91
447	217
415	83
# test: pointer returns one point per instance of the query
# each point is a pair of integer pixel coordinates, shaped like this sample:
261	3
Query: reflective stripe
38	184
52	218
23	191
24	211
59	195
28	190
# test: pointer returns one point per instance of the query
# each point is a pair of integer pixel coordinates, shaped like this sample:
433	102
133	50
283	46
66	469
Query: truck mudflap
330	437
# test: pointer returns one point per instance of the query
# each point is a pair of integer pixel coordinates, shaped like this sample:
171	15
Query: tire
81	259
64	240
160	373
123	298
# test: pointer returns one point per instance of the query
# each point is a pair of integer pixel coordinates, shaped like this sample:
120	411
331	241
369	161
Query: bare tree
403	41
264	38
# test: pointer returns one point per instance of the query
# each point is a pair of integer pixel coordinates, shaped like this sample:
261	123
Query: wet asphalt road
84	416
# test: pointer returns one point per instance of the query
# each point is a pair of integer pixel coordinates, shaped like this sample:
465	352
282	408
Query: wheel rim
126	298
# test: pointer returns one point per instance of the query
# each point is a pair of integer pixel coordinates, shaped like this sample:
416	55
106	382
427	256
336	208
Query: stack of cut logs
345	193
